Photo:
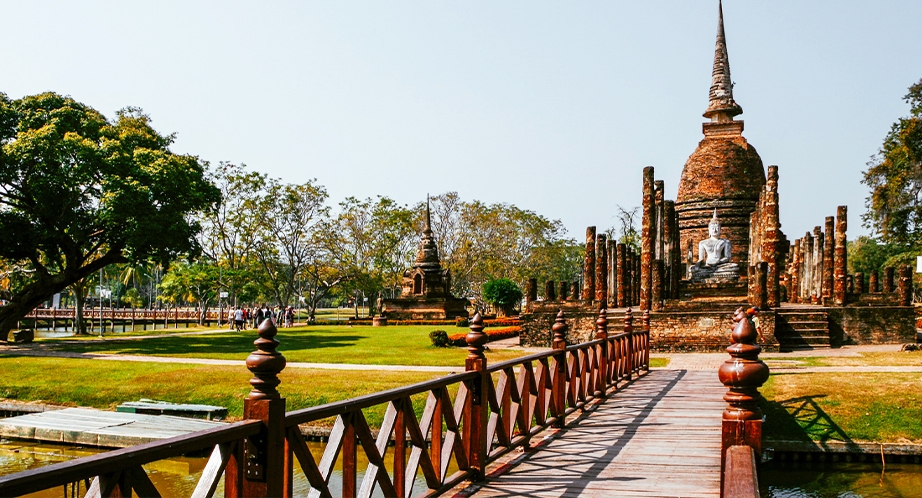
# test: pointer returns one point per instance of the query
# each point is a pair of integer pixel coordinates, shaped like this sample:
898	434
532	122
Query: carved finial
646	319
265	363
476	339
560	331
629	320
744	373
601	324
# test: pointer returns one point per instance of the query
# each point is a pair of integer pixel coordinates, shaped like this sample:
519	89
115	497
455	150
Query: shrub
503	294
462	322
439	338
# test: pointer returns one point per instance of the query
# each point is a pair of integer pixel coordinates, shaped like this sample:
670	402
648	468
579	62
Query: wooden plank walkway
89	427
659	437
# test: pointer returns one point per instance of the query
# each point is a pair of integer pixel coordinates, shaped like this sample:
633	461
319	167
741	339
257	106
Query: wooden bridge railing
493	410
741	445
121	314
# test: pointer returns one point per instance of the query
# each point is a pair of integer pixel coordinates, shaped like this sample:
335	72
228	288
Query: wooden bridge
581	420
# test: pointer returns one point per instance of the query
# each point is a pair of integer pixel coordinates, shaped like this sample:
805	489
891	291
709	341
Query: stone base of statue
726	272
379	321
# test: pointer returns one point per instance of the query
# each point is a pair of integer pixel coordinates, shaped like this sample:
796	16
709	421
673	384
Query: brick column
841	257
859	283
770	242
873	285
819	245
761	288
807	276
637	277
563	290
669	247
621	277
601	269
609	272
659	222
829	256
905	289
794	288
531	291
574	295
646	239
657	298
550	292
589	265
888	279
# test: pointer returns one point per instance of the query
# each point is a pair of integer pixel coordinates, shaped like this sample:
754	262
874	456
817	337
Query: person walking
238	319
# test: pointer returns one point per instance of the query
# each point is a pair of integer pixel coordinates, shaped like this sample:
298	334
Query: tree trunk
79	290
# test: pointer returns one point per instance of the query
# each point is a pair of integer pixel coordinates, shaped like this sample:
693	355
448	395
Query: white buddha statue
714	256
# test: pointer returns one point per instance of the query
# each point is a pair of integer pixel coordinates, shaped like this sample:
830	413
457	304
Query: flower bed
492	335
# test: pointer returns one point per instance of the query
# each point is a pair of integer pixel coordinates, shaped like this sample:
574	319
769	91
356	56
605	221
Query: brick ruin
807	297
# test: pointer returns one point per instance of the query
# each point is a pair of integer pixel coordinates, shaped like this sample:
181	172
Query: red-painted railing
469	420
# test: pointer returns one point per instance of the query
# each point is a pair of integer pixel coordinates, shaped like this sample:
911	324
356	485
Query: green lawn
394	345
105	384
879	407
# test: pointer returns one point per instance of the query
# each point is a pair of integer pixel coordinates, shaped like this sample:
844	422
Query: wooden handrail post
559	381
743	374
475	414
257	468
601	333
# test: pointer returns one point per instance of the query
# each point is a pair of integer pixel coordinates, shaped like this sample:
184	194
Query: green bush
439	338
462	322
503	294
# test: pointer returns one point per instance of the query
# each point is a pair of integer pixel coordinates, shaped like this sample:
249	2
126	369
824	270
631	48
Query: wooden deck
88	427
659	437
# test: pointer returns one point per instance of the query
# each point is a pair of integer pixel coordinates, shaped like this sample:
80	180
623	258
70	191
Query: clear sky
552	106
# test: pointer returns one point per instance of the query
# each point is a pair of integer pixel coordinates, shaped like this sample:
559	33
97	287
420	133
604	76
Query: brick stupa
426	286
724	173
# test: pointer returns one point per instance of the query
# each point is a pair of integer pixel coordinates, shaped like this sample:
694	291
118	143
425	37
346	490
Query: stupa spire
428	228
722	107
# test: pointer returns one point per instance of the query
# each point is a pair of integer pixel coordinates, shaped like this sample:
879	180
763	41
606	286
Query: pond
172	477
839	479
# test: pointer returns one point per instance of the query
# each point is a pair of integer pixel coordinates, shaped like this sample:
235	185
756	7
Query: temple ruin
426	286
719	246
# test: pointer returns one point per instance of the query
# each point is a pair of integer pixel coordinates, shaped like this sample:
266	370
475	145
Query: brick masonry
872	325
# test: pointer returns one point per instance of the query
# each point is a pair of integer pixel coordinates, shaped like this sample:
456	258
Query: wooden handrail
59	474
494	410
741	479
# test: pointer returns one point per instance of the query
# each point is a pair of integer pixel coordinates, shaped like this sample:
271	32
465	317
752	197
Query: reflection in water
173	477
834	480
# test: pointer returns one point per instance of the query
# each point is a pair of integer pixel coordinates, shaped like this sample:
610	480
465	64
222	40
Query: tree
287	220
196	283
79	192
866	254
894	176
503	294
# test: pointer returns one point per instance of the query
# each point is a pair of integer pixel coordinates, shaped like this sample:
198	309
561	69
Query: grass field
394	345
880	407
105	384
894	359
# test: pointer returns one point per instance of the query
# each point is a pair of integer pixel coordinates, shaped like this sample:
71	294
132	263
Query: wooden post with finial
559	380
257	468
475	411
601	333
743	375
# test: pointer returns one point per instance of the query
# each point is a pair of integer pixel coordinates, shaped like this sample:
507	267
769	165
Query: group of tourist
240	317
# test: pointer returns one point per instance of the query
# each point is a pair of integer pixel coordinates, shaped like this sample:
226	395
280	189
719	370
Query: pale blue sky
555	107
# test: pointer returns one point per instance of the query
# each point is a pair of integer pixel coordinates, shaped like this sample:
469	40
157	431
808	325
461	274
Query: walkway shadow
573	479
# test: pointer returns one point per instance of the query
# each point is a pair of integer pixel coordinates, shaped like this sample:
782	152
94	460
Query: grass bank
394	345
846	407
105	384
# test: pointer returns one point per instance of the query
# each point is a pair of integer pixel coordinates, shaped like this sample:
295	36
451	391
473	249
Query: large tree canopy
895	177
79	192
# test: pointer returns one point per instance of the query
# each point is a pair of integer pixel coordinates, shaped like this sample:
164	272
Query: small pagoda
426	286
